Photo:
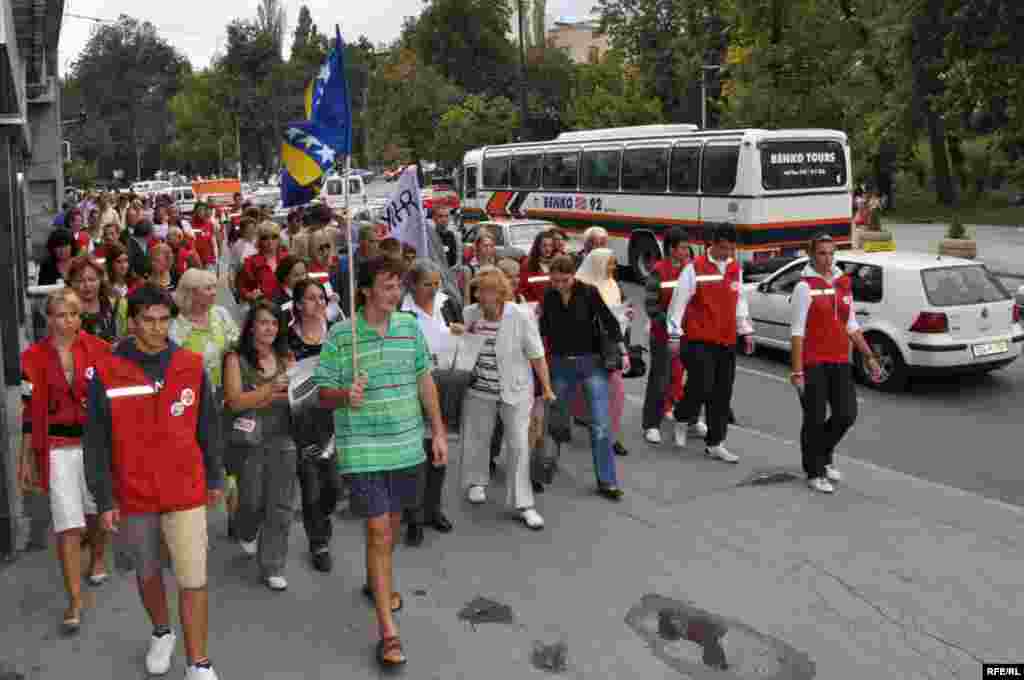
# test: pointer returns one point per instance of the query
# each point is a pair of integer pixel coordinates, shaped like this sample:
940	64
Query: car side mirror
762	287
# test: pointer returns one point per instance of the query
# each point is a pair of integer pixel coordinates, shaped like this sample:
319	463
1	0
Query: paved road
964	432
1000	247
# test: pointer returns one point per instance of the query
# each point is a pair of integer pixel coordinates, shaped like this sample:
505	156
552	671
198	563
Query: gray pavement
999	247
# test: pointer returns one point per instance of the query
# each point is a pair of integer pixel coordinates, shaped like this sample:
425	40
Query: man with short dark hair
153	463
136	235
709	312
378	426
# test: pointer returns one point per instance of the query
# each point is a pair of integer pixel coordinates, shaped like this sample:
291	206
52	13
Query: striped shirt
386	432
486	382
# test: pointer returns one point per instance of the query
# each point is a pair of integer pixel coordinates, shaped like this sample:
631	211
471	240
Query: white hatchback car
919	312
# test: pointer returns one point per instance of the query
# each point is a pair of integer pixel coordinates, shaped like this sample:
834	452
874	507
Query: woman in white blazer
508	352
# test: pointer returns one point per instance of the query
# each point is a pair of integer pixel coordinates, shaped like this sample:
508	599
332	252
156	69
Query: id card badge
247	425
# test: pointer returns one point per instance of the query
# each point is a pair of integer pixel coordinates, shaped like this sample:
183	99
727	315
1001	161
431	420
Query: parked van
184	198
333	193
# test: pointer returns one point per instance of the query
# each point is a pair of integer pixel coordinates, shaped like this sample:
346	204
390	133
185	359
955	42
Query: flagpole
351	269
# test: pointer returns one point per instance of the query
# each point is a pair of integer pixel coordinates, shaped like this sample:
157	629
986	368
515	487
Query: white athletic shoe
833	473
699	428
652	435
158	658
250	548
721	453
532	519
821	484
477	495
197	673
680	432
277	583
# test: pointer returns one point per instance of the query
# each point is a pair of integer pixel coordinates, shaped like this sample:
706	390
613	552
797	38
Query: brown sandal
390	653
72	620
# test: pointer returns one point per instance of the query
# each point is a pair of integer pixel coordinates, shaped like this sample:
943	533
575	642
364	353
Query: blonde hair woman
510	353
202	326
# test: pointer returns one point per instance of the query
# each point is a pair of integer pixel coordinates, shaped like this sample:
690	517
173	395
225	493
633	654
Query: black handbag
611	353
452	385
637	365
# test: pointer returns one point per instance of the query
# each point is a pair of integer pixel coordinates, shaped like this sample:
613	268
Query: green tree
476	121
132	121
205	131
467	42
608	94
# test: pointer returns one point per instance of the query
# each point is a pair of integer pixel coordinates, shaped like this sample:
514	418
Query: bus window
685	173
645	170
718	175
599	170
496	172
561	170
802	165
471	182
525	172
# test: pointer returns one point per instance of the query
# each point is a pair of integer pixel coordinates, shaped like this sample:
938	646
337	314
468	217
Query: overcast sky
196	27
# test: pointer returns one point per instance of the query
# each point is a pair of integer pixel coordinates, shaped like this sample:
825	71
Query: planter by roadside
959	247
872	241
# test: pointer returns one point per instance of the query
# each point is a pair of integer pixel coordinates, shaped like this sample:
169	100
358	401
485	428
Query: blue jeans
566	374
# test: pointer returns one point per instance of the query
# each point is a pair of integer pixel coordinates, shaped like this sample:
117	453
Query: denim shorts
379	493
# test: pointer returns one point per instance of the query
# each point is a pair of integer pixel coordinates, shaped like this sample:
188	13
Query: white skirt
70	500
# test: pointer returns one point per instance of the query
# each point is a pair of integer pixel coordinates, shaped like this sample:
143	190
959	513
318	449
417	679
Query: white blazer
518	341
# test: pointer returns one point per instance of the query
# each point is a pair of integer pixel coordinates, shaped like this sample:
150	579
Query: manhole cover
483	610
701	645
768	477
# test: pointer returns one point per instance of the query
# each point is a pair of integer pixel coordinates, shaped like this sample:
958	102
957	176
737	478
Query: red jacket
156	462
205	234
533	284
825	338
256	273
668	274
711	314
52	404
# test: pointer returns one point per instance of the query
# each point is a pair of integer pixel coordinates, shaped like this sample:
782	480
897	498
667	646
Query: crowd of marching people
139	358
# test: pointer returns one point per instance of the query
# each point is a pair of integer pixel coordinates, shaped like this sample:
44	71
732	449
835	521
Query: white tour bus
779	187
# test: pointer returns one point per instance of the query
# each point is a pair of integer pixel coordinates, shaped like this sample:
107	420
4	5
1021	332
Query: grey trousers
266	491
478	418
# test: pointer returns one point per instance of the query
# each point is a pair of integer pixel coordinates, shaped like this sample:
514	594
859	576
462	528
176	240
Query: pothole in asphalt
553	658
483	610
701	645
769	477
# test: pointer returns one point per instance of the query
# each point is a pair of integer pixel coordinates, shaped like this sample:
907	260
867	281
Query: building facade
580	39
31	186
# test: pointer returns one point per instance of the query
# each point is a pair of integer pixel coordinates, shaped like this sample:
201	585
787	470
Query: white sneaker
652	435
833	474
721	453
680	430
277	583
250	548
477	495
699	428
197	673
821	484
532	519
158	658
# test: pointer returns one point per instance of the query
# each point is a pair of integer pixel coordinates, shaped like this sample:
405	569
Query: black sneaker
322	560
619	449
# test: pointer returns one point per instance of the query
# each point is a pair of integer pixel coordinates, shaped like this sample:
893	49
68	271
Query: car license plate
989	348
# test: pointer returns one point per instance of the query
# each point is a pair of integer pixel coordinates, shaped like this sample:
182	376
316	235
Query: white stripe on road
776	378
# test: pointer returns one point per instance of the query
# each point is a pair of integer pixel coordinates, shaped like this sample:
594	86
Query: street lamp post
704	93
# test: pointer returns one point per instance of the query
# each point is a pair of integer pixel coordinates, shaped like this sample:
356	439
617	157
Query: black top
299	348
570	329
102	324
48	272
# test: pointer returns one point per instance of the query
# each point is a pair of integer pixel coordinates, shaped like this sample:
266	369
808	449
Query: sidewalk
892	577
999	247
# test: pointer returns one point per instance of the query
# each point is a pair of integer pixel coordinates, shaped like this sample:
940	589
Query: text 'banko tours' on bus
779	187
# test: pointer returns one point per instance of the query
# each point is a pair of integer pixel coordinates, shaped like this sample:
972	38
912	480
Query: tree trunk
944	188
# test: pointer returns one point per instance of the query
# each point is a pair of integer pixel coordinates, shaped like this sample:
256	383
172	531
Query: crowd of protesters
138	357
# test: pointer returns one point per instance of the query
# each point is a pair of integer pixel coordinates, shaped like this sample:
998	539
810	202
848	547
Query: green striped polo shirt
386	432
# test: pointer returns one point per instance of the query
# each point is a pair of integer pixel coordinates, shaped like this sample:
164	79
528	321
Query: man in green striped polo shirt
378	425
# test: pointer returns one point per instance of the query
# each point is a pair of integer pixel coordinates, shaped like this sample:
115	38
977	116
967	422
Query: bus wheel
644	253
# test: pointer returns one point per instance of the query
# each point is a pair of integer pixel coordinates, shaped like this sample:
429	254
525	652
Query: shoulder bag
245	428
611	353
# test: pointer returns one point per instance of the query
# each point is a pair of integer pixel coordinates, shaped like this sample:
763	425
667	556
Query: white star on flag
310	141
292	133
326	154
325	71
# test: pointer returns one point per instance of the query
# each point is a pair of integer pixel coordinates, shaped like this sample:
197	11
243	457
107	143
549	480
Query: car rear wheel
894	369
644	253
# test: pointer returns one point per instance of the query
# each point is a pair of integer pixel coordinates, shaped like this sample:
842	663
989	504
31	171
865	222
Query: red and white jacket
709	302
823	317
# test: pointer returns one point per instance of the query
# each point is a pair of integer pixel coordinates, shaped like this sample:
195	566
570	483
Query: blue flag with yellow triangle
310	147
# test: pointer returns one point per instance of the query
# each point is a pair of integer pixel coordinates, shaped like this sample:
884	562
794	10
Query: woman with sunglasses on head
823	327
319	483
259	271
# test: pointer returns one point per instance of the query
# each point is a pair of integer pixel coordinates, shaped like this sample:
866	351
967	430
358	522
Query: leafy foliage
477	121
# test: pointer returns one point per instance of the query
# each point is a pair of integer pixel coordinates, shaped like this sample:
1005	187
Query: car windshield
523	234
954	286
